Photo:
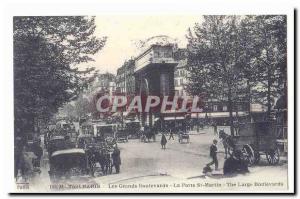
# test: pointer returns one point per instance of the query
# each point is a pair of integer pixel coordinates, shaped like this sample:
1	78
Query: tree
47	52
215	59
249	49
270	33
69	111
83	107
233	56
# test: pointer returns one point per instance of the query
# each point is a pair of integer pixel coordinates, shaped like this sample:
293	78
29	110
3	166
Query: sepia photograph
116	103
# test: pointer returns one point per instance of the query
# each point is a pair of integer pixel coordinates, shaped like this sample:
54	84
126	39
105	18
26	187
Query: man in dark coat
163	141
213	154
171	134
38	151
116	159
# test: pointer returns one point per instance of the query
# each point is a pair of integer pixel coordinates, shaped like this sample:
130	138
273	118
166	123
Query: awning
130	121
217	114
173	118
200	115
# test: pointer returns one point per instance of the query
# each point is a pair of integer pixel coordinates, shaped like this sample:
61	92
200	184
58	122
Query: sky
124	31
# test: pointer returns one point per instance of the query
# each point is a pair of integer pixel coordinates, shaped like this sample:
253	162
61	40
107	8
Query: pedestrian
38	152
163	141
171	135
116	156
213	154
26	163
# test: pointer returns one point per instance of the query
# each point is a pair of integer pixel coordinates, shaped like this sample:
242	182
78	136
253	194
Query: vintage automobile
56	143
67	164
65	128
132	128
87	128
106	131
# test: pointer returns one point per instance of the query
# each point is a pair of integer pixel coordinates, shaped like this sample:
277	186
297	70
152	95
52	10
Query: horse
146	135
227	141
103	158
150	135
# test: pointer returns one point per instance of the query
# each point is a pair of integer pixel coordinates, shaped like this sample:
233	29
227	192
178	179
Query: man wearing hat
213	154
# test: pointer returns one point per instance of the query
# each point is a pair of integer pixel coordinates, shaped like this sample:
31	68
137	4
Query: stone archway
144	92
144	88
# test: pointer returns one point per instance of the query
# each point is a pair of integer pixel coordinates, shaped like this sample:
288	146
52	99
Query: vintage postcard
152	103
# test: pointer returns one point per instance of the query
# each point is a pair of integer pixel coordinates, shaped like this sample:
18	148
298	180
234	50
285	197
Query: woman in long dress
163	141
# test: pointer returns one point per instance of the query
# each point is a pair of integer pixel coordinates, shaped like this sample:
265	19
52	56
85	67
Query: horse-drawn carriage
99	150
56	143
68	163
101	153
122	135
147	134
106	131
183	136
132	128
253	140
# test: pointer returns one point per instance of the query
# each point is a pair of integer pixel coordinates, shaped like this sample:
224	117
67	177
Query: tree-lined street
147	163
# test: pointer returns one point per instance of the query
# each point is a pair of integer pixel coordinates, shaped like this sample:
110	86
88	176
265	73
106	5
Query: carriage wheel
230	151
249	154
273	156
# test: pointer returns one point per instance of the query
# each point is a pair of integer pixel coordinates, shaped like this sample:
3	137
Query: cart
183	136
257	139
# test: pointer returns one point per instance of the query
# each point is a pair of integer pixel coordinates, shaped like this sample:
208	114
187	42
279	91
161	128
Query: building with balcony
180	73
104	83
125	81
